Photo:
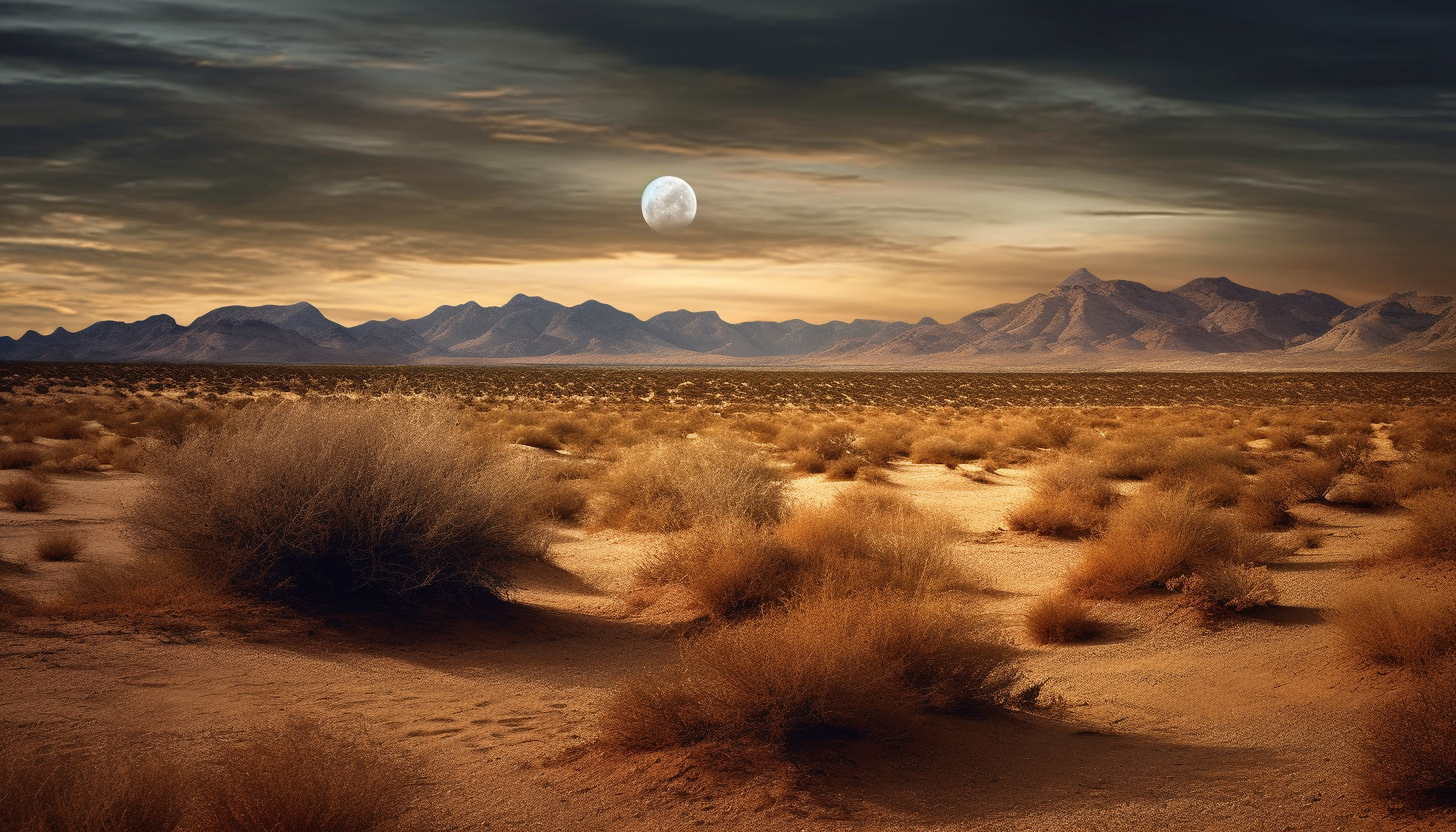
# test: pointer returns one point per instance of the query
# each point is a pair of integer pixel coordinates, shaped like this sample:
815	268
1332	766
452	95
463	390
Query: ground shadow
1295	616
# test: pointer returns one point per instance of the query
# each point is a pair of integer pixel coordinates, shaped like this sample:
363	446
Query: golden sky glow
851	159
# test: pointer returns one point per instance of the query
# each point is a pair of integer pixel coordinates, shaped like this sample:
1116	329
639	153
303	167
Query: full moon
669	204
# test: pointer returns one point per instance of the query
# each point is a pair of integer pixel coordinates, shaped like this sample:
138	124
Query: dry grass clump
20	455
867	539
27	493
1068	499
1431	533
58	546
301	778
731	568
1347	451
1410	743
1217	587
1424	472
675	485
48	791
1061	619
333	503
945	450
1389	624
812	449
1157	536
873	538
864	666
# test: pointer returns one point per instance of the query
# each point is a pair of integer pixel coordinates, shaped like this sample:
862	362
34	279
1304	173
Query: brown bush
1061	619
50	791
1217	587
874	538
844	469
1068	499
674	485
1388	624
1425	472
301	778
1266	502
731	568
944	450
27	493
1347	451
58	546
1159	535
335	503
1431	531
1410	744
13	456
867	539
868	665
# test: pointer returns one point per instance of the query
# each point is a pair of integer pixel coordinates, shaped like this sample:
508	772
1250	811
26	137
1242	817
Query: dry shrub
154	589
1425	472
333	503
1159	535
300	778
1410	744
944	450
1061	619
49	791
27	493
879	445
13	456
1216	587
58	546
843	469
867	539
823	442
865	666
1134	453
1266	502
1347	451
731	568
1388	624
1068	499
874	538
674	485
1431	532
806	461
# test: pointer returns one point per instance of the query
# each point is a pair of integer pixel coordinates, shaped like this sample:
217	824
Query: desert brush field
438	598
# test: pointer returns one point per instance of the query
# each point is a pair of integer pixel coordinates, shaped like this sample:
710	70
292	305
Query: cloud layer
852	158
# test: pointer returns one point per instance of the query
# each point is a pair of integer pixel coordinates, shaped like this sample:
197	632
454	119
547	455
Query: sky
887	159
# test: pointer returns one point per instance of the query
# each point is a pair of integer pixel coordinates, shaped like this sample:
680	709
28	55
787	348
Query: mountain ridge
1082	322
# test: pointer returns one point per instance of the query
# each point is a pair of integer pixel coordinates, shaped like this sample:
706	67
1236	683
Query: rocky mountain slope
1084	321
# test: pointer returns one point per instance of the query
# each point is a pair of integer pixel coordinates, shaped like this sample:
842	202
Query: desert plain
1172	601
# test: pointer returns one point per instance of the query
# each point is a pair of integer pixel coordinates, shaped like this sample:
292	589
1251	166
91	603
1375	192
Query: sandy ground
1170	724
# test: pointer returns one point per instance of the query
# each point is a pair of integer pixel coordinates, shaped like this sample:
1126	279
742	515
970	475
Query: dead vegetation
674	485
1410	741
1160	536
1392	624
1069	498
301	777
1061	618
870	666
59	546
337	504
87	790
27	493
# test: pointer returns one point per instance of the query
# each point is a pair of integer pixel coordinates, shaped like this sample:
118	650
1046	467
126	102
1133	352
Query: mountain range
1084	322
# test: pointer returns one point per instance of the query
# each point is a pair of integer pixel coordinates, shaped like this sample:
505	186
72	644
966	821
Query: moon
669	204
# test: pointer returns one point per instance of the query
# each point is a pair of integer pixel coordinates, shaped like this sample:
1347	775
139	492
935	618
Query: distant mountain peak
1080	277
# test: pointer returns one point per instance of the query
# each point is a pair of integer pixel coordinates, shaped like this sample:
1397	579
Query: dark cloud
178	146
